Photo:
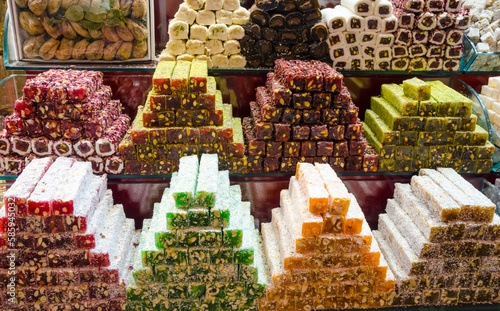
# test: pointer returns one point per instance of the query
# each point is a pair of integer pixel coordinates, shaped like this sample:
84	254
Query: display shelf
475	61
238	89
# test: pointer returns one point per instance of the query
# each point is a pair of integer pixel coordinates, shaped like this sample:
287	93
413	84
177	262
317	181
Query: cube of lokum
417	89
189	101
380	129
180	75
198	76
322	100
300	132
336	132
312	116
394	94
349	114
332	80
302	100
162	76
319	132
271	165
281	95
341	149
206	100
389	114
183	190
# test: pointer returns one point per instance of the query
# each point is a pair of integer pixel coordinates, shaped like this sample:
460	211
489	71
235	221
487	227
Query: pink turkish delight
41	146
63	148
40	201
108	144
24	108
68	194
84	148
14	125
21	145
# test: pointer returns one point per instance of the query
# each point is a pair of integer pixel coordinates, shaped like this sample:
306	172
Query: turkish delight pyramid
200	251
64	113
208	30
288	29
183	115
320	249
361	34
305	113
430	34
440	237
426	125
73	246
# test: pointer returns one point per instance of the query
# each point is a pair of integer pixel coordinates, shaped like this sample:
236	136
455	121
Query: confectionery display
490	95
483	29
305	114
183	115
61	31
65	113
429	36
72	246
361	34
207	30
426	125
319	249
200	251
439	236
289	29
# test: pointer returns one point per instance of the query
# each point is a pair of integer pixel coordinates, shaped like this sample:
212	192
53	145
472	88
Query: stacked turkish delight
207	30
426	125
361	34
430	34
320	250
290	29
72	246
183	115
305	114
440	238
484	32
66	113
490	95
200	251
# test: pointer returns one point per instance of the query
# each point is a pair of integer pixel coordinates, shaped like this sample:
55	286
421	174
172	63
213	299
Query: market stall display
183	115
290	29
209	31
320	250
426	125
72	246
201	249
305	114
439	238
66	113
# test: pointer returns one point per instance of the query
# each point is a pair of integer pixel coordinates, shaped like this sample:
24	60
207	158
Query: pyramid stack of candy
291	29
429	35
207	30
440	237
425	125
200	251
361	34
65	113
184	115
320	250
72	246
306	114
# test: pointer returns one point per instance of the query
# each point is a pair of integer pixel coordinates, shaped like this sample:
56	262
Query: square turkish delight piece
357	147
324	148
25	109
200	117
207	100
342	99
172	102
133	167
198	76
158	136
282	132
312	116
354	131
191	136
174	135
291	149
174	151
256	147
341	149
208	134
264	131
34	127
354	163
322	100
188	150
162	76
300	132
146	152
349	114
274	149
189	101
291	116
288	165
330	116
184	118
336	132
271	165
319	132
308	149
254	164
157	102
280	93
302	100
71	130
